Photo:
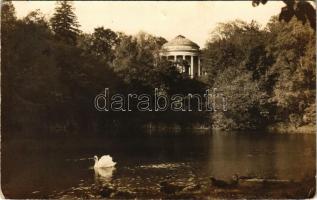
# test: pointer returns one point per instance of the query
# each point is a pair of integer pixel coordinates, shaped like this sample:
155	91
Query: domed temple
185	54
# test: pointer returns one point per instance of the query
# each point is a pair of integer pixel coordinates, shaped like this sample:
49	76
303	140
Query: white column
183	67
175	60
191	67
199	69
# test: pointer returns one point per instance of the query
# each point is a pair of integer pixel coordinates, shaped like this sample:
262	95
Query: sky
193	19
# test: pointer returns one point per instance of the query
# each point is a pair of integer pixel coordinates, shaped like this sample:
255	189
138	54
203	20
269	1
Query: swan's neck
96	161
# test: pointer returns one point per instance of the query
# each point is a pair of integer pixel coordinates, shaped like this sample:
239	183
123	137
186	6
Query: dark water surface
55	168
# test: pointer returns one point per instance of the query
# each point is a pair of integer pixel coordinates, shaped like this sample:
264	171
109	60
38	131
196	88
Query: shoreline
290	129
278	128
168	130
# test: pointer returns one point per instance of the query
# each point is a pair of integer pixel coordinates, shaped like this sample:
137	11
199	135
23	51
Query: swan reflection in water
104	174
104	168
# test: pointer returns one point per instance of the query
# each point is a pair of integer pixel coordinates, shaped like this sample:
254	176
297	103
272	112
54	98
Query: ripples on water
63	168
132	184
163	166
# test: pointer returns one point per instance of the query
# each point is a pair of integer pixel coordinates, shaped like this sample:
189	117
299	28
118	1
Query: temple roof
180	43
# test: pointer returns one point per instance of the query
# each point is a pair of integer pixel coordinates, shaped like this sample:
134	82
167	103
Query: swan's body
104	162
105	172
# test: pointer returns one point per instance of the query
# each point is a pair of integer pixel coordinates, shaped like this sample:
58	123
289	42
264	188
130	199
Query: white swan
104	162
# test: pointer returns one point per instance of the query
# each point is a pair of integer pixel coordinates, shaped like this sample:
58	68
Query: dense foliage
51	73
268	75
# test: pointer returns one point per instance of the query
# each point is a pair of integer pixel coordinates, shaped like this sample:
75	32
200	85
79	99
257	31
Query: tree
293	47
236	61
267	75
302	10
137	55
64	23
36	17
101	43
7	12
8	19
8	26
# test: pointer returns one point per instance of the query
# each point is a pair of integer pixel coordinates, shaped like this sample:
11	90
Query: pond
63	167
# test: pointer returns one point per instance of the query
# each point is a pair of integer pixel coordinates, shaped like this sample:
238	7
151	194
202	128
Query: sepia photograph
158	99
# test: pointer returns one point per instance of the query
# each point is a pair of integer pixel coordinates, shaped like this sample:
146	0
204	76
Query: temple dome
180	43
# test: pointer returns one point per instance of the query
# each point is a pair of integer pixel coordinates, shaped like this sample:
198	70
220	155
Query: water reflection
261	155
55	168
104	175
